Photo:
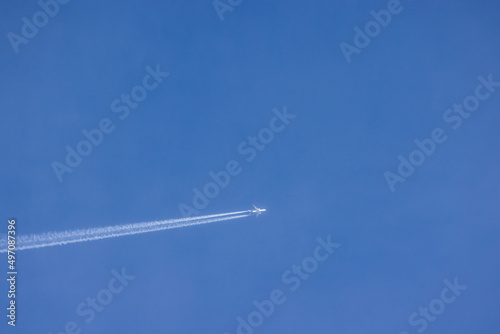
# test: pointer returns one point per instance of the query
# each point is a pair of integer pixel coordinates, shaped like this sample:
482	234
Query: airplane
257	211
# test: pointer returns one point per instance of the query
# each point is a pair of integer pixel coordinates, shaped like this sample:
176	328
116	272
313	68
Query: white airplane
257	211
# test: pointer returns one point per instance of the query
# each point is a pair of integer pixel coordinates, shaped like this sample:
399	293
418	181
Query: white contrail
68	237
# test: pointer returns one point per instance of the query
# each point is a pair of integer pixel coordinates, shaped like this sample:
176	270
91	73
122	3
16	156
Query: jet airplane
257	211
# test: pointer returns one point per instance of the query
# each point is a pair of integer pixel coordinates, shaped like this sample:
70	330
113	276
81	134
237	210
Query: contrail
67	237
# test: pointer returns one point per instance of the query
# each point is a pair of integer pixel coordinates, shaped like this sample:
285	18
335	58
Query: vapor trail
68	237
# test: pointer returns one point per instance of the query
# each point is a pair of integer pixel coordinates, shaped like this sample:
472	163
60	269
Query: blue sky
322	175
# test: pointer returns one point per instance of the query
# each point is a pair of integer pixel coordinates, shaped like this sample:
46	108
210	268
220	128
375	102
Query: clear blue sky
322	175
